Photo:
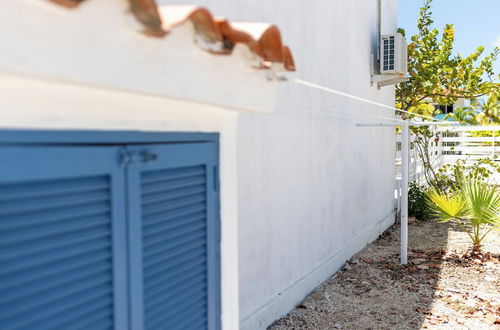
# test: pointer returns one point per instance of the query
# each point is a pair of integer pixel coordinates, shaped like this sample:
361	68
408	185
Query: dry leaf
422	310
412	269
418	261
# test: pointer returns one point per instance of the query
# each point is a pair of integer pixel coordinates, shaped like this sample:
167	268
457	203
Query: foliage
480	112
436	75
417	202
464	115
488	111
449	176
482	134
475	207
447	180
487	134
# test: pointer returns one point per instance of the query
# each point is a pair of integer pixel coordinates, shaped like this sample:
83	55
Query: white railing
452	144
416	164
459	143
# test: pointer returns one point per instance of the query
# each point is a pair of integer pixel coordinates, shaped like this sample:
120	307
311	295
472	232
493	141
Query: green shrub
417	202
450	176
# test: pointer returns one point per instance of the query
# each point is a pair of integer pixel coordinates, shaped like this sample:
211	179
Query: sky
477	22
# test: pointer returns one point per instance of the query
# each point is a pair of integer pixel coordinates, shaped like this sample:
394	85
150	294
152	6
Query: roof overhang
97	44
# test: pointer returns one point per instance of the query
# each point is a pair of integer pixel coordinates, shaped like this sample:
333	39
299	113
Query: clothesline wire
334	91
341	110
342	116
336	115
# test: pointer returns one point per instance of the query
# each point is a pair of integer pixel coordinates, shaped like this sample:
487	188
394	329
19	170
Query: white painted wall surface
312	188
302	188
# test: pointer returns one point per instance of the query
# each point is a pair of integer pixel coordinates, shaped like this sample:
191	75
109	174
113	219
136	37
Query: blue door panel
174	270
62	230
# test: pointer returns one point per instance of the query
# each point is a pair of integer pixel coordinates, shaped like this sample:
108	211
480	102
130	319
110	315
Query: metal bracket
136	156
384	79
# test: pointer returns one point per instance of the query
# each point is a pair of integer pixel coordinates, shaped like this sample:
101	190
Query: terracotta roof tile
68	3
201	18
262	39
147	13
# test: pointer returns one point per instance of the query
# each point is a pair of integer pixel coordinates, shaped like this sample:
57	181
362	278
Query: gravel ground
443	287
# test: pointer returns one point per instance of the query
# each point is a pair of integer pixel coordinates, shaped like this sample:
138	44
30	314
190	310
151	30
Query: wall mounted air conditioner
393	54
392	61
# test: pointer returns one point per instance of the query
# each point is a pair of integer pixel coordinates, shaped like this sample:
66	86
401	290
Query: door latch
136	156
147	156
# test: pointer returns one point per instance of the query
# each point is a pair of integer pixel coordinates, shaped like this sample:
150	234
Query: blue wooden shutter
62	238
174	237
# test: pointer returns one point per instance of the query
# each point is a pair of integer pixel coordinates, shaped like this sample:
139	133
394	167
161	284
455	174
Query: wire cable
345	119
334	91
341	110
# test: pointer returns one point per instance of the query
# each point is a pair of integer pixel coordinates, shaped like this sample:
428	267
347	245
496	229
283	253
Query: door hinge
136	156
216	178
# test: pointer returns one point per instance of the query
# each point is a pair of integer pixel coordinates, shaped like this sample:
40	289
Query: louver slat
31	205
174	237
19	221
59	241
185	270
181	288
188	320
43	284
56	254
173	223
43	189
187	256
193	303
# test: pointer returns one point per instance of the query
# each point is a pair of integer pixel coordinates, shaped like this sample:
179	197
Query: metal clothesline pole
405	166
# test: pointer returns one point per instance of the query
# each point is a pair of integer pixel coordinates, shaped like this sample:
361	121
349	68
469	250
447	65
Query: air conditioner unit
393	54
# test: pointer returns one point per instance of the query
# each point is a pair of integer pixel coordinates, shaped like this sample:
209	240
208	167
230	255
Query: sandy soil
439	289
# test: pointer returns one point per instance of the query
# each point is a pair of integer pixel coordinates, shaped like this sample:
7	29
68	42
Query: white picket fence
451	144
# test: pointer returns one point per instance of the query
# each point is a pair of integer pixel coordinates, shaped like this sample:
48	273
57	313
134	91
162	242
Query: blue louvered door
173	235
109	237
62	238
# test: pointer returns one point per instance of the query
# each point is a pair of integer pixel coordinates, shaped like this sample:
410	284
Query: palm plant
464	115
474	206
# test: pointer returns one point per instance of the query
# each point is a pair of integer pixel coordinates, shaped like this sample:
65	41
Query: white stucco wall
312	188
302	188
